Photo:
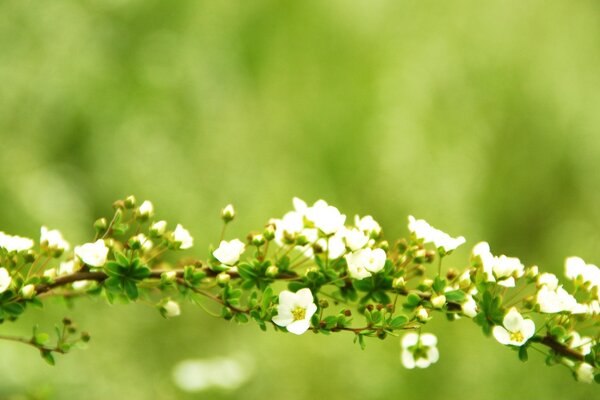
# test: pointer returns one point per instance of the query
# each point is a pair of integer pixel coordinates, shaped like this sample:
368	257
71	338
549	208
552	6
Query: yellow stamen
298	313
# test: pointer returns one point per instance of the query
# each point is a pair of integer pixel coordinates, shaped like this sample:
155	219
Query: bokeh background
482	117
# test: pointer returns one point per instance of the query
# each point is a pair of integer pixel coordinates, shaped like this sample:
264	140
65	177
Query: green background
481	117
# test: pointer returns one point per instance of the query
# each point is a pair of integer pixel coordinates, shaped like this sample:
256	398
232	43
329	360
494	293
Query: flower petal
410	339
304	297
513	320
298	327
501	335
408	360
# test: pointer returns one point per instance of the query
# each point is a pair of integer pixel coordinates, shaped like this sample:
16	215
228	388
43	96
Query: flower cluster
314	270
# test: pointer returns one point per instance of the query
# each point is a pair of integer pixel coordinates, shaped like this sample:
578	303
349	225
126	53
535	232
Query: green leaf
121	258
439	284
47	356
130	289
398	321
455	296
413	299
523	353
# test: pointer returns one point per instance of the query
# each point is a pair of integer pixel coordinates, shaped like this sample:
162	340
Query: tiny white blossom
53	241
145	243
171	309
28	291
229	253
93	254
50	273
558	300
441	240
500	269
367	224
5	280
419	350
364	262
438	301
170	275
67	267
158	228
355	239
182	237
516	330
146	209
325	217
580	344
548	279
585	373
576	268
15	243
295	310
469	307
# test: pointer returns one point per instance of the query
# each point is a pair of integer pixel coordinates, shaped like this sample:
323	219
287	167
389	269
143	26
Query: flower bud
347	313
422	314
272	271
532	272
323	303
158	228
50	273
170	309
228	213
28	291
384	245
145	211
223	278
169	276
398	283
269	232
402	246
85	337
100	225
129	202
438	301
258	240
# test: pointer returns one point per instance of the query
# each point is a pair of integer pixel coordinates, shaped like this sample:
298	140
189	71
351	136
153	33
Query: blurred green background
481	117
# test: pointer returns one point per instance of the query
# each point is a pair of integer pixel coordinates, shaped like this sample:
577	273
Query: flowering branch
309	270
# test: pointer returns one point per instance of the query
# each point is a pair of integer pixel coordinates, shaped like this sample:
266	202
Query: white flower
419	350
171	309
93	254
5	280
169	276
53	241
438	301
67	267
576	268
355	239
15	243
469	307
367	224
423	231
516	330
145	243
500	269
50	273
295	310
580	344
158	228
182	237
558	300
325	217
585	373
364	262
229	253
28	291
548	279
146	210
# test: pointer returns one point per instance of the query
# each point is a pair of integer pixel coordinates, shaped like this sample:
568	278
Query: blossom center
516	336
299	313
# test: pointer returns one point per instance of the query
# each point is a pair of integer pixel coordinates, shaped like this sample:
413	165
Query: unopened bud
129	202
228	213
269	232
422	314
272	271
258	240
223	278
438	301
100	225
323	303
158	228
398	283
28	291
145	211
